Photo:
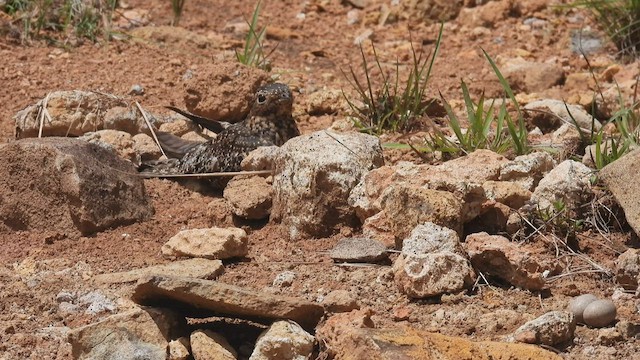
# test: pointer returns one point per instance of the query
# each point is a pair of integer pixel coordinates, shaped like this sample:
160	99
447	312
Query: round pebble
579	303
599	313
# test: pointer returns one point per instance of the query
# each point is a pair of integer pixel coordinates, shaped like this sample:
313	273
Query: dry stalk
151	128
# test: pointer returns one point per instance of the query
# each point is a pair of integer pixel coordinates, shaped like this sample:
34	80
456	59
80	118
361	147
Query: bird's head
273	99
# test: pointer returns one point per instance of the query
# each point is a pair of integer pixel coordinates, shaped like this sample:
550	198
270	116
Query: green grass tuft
253	53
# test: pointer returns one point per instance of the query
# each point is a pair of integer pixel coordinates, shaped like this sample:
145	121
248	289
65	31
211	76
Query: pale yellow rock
211	243
209	345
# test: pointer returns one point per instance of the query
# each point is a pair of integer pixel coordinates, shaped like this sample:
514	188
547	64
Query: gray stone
628	269
430	238
527	170
196	296
364	250
69	186
283	340
195	268
569	182
315	174
552	328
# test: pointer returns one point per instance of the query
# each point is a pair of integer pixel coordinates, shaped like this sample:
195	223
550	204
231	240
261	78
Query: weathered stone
196	268
359	250
486	14
407	206
178	127
179	349
350	336
283	340
525	76
145	147
212	243
315	174
527	170
119	141
421	276
69	186
261	158
549	114
327	101
139	333
249	197
430	238
621	178
628	269
340	301
569	182
223	92
506	192
495	255
197	296
209	345
552	328
71	113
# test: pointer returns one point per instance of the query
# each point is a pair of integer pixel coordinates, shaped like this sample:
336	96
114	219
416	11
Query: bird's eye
261	99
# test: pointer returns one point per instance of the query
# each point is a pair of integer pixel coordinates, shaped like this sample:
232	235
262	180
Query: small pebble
284	279
599	313
579	303
136	90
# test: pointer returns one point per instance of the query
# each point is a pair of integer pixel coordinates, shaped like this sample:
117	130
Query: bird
269	122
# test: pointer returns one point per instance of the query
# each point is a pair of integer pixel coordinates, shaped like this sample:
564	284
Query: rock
69	186
284	279
578	304
506	192
72	113
339	301
628	329
95	302
261	158
621	179
496	256
628	269
486	15
348	336
599	313
528	77
364	197
431	11
608	337
209	345
211	297
136	89
145	147
325	102
407	206
421	276
196	268
223	92
314	176
212	243
566	140
568	182
179	349
552	328
377	227
358	250
549	114
249	197
431	238
139	333
527	170
284	340
178	127
119	141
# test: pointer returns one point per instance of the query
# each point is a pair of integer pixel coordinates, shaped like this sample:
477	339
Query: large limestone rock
209	345
69	186
195	296
621	178
554	327
142	333
315	174
354	336
211	243
196	268
283	340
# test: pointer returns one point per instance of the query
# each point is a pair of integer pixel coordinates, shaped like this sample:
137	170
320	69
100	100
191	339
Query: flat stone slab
359	250
195	268
621	178
198	297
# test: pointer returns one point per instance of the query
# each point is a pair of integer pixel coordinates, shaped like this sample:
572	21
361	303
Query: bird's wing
213	125
175	146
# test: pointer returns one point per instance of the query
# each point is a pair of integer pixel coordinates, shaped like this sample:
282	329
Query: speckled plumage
269	123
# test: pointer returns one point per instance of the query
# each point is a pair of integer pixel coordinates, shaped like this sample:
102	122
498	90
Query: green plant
557	218
84	19
620	19
253	53
176	7
391	106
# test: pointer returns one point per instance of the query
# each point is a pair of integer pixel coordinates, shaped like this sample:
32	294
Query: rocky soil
349	249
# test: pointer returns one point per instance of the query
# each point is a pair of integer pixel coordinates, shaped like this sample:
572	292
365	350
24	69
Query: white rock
209	345
430	238
527	170
568	182
283	340
552	328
